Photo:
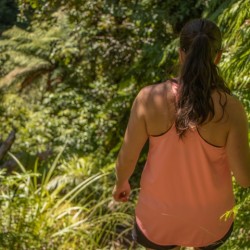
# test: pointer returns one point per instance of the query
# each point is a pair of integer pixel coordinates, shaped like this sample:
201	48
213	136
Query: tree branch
6	145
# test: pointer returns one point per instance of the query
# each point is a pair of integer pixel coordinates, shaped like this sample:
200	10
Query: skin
153	113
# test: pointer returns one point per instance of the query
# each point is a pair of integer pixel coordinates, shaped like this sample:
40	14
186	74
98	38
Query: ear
218	57
181	56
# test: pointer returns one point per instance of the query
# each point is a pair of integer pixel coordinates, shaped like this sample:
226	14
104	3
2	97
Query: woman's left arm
134	139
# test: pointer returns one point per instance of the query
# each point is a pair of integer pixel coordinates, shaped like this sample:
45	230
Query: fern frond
234	21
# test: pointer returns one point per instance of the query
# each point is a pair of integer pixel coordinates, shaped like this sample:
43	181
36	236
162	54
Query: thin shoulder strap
174	80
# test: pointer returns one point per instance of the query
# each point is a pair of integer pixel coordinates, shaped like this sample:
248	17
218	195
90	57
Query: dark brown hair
200	40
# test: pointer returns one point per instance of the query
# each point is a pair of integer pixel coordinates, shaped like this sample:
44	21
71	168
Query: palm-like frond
234	21
29	55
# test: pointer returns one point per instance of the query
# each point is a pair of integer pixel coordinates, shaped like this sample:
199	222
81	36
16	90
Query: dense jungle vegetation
69	71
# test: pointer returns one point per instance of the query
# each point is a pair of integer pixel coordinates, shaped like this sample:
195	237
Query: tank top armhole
164	133
204	141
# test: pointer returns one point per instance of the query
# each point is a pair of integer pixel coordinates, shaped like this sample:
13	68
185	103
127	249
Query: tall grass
48	211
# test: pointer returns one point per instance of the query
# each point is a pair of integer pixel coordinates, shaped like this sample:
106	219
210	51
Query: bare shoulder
231	102
234	105
153	93
235	110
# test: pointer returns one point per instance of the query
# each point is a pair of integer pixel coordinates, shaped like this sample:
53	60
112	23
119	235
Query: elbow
242	177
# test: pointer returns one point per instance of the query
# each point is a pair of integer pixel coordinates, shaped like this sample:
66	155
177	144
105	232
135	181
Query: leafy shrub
51	211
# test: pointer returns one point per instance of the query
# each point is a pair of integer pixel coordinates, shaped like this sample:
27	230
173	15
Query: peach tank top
186	187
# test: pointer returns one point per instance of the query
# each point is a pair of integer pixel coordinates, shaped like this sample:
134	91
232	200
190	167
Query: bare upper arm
237	145
136	133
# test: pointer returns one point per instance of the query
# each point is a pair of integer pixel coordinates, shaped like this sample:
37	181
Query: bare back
160	113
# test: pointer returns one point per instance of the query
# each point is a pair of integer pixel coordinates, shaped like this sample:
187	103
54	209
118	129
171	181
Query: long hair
200	40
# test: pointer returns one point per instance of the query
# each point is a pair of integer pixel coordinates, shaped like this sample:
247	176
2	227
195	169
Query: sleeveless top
186	187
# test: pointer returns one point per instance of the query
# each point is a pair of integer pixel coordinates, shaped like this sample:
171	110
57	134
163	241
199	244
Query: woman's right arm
237	145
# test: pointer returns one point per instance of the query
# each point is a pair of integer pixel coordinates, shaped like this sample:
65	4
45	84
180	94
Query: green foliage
71	77
42	53
126	40
86	119
8	13
43	211
121	41
233	19
239	238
